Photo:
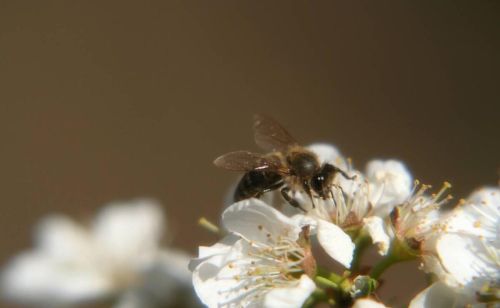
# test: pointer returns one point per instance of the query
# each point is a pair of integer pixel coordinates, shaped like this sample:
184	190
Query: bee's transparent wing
270	135
246	161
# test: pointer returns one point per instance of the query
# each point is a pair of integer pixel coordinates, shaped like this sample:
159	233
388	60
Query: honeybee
287	166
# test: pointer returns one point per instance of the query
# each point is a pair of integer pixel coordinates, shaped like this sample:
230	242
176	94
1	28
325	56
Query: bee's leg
333	198
342	192
339	188
344	174
274	186
307	189
285	191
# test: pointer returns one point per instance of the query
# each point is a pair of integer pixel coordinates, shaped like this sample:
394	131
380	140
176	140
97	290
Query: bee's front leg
285	192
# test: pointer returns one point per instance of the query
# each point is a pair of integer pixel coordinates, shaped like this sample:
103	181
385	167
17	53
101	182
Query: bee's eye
317	183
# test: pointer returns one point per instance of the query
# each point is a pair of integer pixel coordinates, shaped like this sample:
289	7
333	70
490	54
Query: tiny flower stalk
362	242
398	252
344	289
318	296
336	293
326	274
325	282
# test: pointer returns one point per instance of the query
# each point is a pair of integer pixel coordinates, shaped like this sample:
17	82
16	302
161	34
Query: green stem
362	242
316	297
325	282
398	253
329	275
381	266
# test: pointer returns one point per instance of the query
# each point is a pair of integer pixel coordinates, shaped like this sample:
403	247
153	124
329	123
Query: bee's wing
246	161
270	135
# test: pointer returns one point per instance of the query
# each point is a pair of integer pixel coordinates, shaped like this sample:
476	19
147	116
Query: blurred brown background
106	101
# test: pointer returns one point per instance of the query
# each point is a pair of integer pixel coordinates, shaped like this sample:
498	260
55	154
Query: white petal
164	282
328	154
474	263
132	299
61	238
367	303
335	242
390	184
290	297
486	195
302	220
38	278
377	229
438	295
432	264
353	187
205	280
255	220
129	230
174	263
214	275
479	216
222	247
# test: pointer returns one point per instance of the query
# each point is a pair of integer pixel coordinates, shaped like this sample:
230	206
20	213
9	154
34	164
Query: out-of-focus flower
467	254
367	303
265	261
118	257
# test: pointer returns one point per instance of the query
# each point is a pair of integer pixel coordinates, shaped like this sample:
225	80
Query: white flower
332	238
437	295
467	252
327	153
390	184
367	303
352	200
264	262
386	184
415	223
118	254
380	233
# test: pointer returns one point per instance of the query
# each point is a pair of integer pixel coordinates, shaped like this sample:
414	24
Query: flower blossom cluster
116	260
267	257
268	252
